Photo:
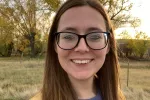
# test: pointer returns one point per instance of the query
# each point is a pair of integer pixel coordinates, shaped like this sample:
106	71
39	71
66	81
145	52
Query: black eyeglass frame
82	36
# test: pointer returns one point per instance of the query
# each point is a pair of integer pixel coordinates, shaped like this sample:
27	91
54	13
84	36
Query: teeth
81	61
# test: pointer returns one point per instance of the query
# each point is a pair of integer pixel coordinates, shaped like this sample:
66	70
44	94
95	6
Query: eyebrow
88	30
69	29
94	29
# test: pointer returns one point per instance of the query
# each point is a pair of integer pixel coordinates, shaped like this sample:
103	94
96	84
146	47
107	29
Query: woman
81	61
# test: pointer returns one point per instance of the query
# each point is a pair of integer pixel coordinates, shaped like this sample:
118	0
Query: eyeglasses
70	40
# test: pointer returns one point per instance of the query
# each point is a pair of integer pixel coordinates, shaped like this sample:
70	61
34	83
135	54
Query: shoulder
38	96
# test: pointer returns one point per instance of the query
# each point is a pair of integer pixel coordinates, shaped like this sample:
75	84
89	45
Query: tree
24	15
141	43
53	4
125	35
118	10
6	37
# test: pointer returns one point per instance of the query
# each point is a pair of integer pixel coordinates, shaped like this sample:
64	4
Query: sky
140	9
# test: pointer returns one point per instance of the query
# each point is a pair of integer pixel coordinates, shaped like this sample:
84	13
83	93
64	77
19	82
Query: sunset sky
141	9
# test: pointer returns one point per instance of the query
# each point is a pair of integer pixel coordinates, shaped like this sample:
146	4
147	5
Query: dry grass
139	80
21	78
138	86
135	64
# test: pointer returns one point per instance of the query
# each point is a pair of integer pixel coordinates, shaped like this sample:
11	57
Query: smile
81	61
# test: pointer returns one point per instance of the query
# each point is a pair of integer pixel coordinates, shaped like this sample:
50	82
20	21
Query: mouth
84	61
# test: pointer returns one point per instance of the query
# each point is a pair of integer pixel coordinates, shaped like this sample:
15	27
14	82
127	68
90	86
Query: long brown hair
56	84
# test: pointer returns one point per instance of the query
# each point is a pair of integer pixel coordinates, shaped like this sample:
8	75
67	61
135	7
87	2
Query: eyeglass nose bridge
79	38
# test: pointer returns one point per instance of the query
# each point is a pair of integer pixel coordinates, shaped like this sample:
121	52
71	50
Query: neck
84	88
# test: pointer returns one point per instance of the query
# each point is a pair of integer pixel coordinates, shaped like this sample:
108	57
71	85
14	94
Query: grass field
21	78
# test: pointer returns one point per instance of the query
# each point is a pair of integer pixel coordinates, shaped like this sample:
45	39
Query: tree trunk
32	44
10	48
32	17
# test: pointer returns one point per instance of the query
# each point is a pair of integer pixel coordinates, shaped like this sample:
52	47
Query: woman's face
81	63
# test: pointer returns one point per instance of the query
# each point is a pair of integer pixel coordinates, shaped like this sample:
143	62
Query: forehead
81	18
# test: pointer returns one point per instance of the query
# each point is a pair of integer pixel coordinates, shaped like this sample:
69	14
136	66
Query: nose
82	46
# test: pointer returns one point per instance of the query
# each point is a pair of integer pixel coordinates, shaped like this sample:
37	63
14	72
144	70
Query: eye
68	37
94	37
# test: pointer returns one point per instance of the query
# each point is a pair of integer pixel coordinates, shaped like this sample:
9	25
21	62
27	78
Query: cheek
63	57
62	54
100	57
101	53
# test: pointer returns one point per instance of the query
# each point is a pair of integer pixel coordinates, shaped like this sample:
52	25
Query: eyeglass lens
70	40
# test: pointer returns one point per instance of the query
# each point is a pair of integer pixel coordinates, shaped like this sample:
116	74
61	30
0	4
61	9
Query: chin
82	76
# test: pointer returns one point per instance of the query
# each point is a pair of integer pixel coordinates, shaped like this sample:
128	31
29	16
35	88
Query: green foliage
6	37
23	45
38	44
135	22
3	50
125	35
141	35
140	44
139	47
25	16
53	4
